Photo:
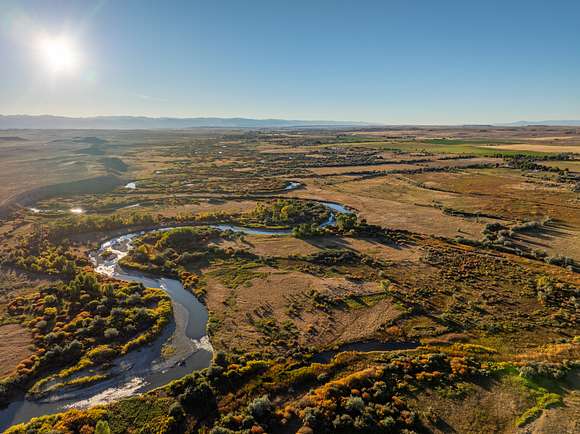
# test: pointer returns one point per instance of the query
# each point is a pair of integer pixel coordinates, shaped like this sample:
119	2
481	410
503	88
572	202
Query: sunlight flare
59	54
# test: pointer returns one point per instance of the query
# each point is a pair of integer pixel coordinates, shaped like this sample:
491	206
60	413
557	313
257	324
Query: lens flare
59	54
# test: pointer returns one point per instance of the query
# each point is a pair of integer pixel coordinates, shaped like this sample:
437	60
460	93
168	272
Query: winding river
148	367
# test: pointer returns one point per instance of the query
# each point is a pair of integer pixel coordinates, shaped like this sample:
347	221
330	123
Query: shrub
542	369
111	333
261	408
41	325
388	422
101	354
343	422
354	404
221	430
176	411
198	397
102	427
50	300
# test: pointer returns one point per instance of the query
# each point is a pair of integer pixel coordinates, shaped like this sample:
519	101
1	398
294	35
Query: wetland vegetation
457	246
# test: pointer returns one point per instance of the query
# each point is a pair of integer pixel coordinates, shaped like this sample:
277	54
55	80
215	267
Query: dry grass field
446	302
41	158
14	347
538	147
392	202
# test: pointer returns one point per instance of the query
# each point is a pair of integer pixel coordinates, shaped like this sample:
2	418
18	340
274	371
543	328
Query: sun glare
59	54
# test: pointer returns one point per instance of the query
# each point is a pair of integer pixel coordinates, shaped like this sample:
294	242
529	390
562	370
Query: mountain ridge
145	122
123	122
554	123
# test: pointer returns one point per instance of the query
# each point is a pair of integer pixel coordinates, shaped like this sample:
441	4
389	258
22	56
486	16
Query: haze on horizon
391	62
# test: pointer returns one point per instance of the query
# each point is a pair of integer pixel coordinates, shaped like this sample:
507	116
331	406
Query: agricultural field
362	280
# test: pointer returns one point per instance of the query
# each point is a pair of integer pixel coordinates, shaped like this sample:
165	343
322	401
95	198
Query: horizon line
311	121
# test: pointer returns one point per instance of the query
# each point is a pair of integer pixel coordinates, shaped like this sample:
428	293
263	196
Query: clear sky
389	61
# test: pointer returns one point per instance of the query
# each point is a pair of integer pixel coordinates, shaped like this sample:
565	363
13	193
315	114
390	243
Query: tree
86	282
102	427
346	222
198	397
261	408
111	333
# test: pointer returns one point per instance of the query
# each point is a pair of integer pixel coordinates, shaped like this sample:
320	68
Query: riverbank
147	367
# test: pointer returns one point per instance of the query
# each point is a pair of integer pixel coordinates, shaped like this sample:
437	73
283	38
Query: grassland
15	346
458	269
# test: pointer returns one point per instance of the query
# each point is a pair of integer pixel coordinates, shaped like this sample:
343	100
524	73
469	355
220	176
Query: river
145	368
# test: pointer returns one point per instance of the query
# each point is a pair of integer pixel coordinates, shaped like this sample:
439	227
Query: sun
59	54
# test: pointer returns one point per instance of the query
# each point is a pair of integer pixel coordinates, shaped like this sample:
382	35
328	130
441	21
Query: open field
459	147
537	147
572	166
478	134
14	347
383	280
390	201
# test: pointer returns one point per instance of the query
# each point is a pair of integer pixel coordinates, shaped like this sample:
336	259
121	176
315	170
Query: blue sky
404	61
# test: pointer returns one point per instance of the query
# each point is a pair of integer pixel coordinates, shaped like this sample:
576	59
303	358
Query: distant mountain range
554	123
142	122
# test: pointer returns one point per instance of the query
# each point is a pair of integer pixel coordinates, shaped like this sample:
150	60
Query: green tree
346	222
102	427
